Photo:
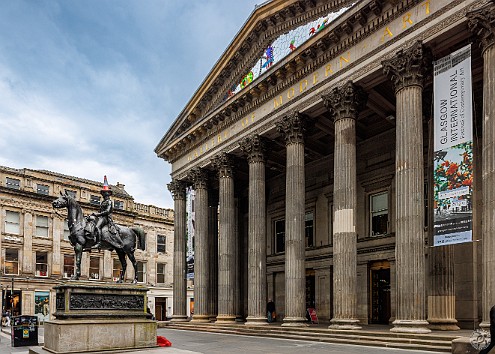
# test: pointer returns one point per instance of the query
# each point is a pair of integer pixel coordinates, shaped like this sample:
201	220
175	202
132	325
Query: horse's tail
140	236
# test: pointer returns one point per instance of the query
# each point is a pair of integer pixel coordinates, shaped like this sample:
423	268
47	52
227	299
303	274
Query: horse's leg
123	262
134	264
78	250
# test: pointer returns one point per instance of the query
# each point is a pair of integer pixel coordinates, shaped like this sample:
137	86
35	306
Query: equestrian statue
98	231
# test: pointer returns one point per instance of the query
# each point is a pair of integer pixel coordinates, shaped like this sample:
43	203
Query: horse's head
62	201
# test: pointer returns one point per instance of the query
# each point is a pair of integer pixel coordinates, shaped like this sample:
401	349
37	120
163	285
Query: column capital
199	177
224	164
255	147
293	126
178	189
482	24
345	101
409	67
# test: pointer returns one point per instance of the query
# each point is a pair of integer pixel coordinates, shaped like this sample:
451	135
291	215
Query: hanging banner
453	146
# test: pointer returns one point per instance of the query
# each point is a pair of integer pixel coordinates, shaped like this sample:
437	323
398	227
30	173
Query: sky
89	87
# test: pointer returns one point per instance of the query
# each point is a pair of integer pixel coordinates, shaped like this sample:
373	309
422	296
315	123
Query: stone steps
426	342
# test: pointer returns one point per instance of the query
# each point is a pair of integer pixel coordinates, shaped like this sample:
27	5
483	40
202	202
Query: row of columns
407	70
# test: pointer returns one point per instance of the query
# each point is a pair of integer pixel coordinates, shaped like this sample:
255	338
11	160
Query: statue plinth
92	317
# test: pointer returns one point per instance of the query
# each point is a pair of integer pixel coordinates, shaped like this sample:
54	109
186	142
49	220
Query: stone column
255	148
213	253
344	104
482	23
178	190
201	253
224	163
406	70
293	127
28	255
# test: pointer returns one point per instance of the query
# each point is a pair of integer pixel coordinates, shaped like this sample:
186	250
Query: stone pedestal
92	317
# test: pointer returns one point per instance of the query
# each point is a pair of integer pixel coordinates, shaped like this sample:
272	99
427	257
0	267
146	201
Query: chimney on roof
120	185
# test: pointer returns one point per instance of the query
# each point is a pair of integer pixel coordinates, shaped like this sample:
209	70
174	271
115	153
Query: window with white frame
42	189
161	244
118	204
94	268
13	183
12	222
94	199
379	214
309	229
141	272
279	236
41	226
68	265
11	262
41	264
66	230
160	273
117	268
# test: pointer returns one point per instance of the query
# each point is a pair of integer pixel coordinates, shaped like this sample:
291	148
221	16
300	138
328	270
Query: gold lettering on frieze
291	93
344	59
426	5
315	78
303	85
386	33
328	70
219	138
406	19
277	102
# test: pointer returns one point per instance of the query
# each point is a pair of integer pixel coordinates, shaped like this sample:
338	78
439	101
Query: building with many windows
311	141
36	254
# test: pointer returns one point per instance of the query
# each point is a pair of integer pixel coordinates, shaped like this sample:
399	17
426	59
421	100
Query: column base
225	319
256	321
485	325
179	318
295	322
410	326
347	324
200	319
443	324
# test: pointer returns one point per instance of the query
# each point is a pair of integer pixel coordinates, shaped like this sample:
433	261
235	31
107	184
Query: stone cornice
482	24
345	101
409	67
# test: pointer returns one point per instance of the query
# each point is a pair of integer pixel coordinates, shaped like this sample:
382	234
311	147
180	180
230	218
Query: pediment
243	72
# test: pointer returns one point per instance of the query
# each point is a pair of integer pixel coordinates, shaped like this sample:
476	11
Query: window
71	193
42	226
12	222
68	265
41	264
117	268
160	273
308	229
94	199
13	183
161	246
66	230
42	189
141	272
118	204
94	268
11	264
279	236
379	214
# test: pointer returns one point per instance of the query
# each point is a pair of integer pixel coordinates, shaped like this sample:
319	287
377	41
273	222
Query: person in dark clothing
270	311
492	332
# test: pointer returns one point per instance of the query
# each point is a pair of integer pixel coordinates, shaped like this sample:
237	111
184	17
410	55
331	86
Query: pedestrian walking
270	311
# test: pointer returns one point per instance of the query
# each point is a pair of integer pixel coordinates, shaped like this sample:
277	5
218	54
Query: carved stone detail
409	67
60	302
224	163
199	177
293	126
255	147
105	302
178	189
345	101
482	24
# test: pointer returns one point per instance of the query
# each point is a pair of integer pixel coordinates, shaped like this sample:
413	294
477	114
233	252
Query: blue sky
88	88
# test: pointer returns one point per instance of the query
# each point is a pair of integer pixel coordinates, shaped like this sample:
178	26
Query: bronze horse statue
82	236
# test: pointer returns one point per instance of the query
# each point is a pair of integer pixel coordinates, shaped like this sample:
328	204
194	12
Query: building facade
309	147
36	253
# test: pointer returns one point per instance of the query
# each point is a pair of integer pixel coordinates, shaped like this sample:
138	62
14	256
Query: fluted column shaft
213	254
482	23
344	104
178	190
201	252
406	70
254	147
226	240
292	126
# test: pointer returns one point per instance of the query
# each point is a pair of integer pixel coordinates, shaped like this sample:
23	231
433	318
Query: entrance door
379	292
160	308
12	302
310	288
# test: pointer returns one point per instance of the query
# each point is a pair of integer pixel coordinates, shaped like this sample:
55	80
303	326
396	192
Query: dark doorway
12	302
310	288
380	292
161	308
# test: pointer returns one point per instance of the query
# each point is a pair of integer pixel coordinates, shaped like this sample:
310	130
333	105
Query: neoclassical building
36	254
309	148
